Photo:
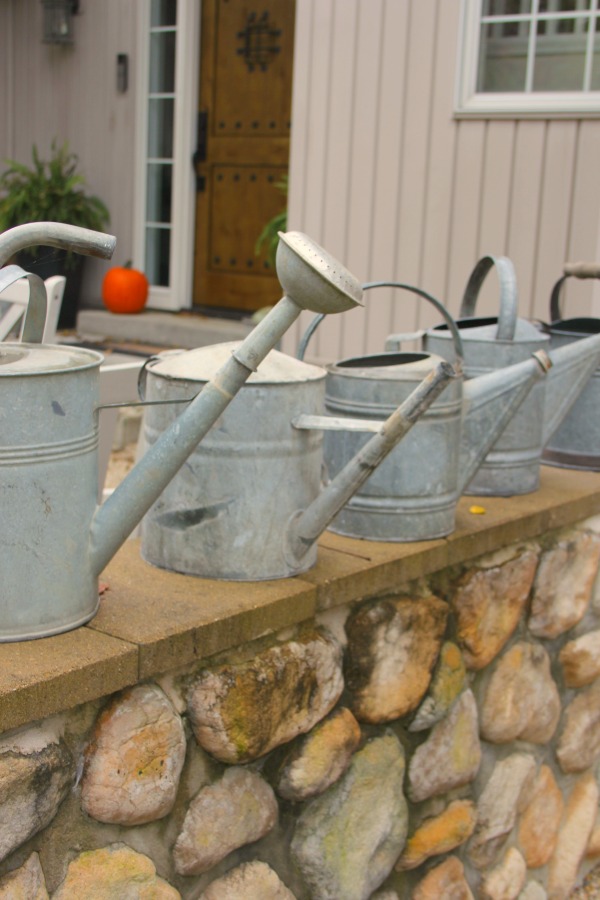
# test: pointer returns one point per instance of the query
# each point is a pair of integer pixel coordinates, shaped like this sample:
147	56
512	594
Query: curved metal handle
456	338
575	270
56	234
37	308
507	317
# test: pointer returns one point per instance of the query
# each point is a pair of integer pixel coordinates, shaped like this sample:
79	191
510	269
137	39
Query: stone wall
441	741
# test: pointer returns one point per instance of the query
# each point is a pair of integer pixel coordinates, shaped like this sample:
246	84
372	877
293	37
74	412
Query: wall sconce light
58	20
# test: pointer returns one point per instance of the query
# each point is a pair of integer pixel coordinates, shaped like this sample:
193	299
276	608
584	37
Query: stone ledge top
151	621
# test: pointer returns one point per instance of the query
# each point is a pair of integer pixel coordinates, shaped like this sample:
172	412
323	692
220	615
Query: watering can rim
472	322
24	352
417	362
275	368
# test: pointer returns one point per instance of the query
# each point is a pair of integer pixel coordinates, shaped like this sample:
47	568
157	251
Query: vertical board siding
417	195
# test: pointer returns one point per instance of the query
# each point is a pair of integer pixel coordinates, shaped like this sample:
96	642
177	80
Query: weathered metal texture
226	513
490	344
54	540
576	442
248	505
48	484
413	494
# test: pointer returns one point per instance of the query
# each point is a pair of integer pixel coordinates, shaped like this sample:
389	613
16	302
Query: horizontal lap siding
69	93
386	179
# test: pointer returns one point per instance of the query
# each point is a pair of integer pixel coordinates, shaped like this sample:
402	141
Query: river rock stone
347	840
580	660
503	797
25	883
115	872
439	834
320	758
238	809
445	881
450	756
504	881
242	711
578	746
250	881
540	820
448	682
489	602
32	787
533	890
578	821
134	760
521	700
393	645
563	584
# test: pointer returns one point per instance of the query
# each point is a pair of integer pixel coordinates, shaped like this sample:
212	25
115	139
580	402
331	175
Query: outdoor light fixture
58	20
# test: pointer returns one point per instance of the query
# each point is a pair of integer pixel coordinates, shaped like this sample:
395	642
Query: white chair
15	298
118	384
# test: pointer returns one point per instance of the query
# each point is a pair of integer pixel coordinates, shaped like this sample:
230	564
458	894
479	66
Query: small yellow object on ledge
477	510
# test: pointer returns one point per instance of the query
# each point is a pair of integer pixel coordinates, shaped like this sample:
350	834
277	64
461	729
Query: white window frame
178	295
539	104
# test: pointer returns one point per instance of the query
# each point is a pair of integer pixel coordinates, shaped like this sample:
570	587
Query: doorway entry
242	151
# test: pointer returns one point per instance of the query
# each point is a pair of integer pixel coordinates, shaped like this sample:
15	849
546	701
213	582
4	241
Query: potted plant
268	238
51	191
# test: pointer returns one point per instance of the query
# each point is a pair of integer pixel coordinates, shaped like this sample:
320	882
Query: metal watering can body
248	505
414	493
54	540
576	442
512	465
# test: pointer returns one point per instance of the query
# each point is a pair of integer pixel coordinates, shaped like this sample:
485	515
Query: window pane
162	62
560	59
157	265
158	192
502	60
160	128
163	12
595	85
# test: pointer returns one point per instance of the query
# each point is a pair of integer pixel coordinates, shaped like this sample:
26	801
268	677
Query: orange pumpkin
124	289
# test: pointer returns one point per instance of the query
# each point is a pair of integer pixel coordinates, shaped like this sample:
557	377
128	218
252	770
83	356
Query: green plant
267	240
48	191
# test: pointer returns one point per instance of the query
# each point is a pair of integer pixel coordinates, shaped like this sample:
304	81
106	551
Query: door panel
243	147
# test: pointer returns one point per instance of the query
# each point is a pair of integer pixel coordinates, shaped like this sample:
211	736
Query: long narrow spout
121	512
56	234
306	527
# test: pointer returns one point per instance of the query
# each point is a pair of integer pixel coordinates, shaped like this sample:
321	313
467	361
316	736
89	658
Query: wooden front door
243	147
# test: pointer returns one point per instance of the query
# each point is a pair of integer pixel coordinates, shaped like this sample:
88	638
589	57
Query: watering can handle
576	270
458	348
507	316
35	314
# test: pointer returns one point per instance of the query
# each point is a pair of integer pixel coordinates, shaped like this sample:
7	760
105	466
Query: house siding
389	181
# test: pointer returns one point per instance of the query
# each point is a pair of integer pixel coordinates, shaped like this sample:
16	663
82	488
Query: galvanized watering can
248	504
54	540
512	465
413	495
576	442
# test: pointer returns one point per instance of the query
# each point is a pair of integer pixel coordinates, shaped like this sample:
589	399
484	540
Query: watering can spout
306	526
56	234
572	367
490	402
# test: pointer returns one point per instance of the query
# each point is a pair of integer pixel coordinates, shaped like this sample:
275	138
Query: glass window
530	55
162	39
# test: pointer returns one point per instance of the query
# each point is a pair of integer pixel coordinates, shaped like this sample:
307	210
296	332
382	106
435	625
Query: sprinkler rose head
312	278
